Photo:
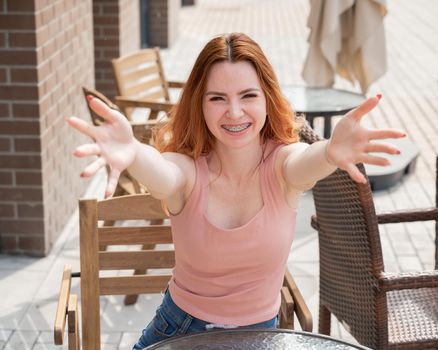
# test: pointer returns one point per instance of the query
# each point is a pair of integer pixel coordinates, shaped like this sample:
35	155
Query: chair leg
324	320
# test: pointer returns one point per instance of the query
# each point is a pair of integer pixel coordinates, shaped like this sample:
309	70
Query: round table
321	102
257	339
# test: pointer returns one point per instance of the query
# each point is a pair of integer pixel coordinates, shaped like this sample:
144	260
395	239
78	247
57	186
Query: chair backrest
93	261
350	254
140	75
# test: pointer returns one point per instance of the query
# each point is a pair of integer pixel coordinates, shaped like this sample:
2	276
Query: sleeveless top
232	276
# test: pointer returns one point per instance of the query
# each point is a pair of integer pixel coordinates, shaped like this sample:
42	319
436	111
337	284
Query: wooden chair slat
154	95
140	88
137	284
158	234
135	59
134	207
140	72
136	260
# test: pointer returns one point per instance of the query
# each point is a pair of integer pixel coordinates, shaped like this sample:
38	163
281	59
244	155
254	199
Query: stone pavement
29	286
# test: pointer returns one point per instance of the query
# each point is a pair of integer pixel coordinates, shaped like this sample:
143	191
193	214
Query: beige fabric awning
346	38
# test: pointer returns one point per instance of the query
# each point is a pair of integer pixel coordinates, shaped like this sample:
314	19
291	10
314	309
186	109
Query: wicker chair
381	310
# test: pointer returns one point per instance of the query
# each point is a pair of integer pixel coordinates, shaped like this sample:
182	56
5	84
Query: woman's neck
236	165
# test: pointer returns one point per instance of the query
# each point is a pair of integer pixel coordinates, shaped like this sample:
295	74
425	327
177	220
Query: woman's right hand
114	143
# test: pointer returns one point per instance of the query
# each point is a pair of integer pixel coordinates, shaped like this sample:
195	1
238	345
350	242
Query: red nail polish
379	96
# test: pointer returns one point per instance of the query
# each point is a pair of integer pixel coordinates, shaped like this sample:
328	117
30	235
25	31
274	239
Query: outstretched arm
115	145
350	144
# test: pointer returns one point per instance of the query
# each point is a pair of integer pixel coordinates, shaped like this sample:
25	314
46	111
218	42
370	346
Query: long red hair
187	133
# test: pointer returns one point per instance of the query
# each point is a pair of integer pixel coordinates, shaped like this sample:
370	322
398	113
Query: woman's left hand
350	142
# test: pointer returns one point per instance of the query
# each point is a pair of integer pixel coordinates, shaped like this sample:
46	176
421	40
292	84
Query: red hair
187	133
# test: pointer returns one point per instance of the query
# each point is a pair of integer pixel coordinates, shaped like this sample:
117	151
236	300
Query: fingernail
89	97
379	96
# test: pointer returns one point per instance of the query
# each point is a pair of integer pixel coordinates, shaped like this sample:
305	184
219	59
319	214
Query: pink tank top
232	276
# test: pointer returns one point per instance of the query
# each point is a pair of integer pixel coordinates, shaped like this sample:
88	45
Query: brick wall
163	22
45	56
116	33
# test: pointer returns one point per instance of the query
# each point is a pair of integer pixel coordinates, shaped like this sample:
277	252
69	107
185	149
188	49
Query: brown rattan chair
381	310
93	261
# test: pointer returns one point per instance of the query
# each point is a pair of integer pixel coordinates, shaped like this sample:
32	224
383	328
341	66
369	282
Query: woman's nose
235	110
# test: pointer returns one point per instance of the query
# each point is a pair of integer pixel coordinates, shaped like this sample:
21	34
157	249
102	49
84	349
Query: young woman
230	169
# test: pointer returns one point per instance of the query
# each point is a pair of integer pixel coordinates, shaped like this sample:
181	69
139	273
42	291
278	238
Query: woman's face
234	104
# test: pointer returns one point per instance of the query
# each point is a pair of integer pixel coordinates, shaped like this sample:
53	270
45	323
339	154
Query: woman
230	169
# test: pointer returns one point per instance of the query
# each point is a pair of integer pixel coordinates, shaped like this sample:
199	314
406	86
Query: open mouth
236	128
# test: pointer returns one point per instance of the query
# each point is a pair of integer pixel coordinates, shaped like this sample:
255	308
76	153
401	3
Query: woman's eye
216	98
249	96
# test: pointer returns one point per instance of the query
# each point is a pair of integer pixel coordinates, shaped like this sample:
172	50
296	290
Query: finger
385	134
382	147
374	160
81	125
92	168
355	173
102	109
364	108
112	182
90	149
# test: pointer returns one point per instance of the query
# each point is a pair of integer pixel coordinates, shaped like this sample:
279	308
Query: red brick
27	144
21	194
24	75
5	145
5	178
110	9
20	161
22	39
18	92
21	21
19	127
7	210
18	57
4	110
34	210
8	243
33	245
3	77
21	6
28	178
35	227
2	40
30	110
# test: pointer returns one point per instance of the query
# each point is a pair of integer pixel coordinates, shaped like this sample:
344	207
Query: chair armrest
143	130
175	84
286	309
425	214
303	313
61	310
408	280
124	102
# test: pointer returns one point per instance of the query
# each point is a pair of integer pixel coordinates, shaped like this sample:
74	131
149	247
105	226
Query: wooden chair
141	82
381	310
127	184
93	260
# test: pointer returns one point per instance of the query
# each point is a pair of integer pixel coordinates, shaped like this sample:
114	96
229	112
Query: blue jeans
170	321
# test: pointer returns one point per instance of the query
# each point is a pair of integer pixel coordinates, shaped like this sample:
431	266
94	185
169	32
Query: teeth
236	128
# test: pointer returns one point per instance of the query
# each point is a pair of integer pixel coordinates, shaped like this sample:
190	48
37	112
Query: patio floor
29	287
